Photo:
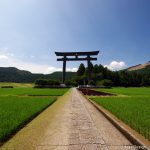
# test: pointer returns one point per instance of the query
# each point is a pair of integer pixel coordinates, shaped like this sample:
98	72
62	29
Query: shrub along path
70	123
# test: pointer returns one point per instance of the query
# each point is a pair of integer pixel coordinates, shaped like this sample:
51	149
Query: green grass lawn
134	110
32	91
16	111
142	91
21	104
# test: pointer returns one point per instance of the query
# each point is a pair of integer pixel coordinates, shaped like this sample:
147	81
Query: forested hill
141	68
145	70
11	74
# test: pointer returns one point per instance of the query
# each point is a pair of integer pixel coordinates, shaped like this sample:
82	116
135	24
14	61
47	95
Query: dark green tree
91	67
96	69
81	70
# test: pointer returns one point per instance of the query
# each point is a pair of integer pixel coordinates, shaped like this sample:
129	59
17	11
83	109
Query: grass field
16	84
32	92
133	109
16	111
20	105
142	91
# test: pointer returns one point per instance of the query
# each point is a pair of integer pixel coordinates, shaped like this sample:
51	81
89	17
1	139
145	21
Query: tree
81	70
91	67
106	82
41	82
44	82
92	82
71	83
96	69
145	80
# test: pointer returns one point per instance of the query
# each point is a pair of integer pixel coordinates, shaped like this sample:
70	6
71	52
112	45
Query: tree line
102	76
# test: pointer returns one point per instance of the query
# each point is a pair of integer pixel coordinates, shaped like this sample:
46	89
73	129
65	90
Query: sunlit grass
135	91
16	111
133	109
16	84
21	104
32	91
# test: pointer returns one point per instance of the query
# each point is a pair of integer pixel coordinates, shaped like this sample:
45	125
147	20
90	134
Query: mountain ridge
139	66
142	68
13	74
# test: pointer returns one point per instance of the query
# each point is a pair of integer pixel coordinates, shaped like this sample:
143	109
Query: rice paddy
133	109
20	105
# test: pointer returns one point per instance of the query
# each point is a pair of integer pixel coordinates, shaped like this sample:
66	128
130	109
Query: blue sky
32	30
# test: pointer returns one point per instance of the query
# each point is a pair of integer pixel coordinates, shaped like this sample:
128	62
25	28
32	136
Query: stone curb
134	137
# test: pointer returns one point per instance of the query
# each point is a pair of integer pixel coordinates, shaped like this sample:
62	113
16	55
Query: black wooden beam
76	53
76	59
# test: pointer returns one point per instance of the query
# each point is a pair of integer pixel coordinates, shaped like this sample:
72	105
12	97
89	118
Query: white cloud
116	65
10	54
72	69
8	60
3	56
53	69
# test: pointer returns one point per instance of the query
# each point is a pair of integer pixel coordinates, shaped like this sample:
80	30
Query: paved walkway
70	123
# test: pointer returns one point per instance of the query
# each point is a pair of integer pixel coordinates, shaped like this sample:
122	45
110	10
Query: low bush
6	86
44	82
105	82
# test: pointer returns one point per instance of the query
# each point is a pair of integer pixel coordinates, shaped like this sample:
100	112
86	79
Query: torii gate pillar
89	71
64	70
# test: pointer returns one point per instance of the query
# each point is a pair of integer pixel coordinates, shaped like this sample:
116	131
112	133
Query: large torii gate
86	56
